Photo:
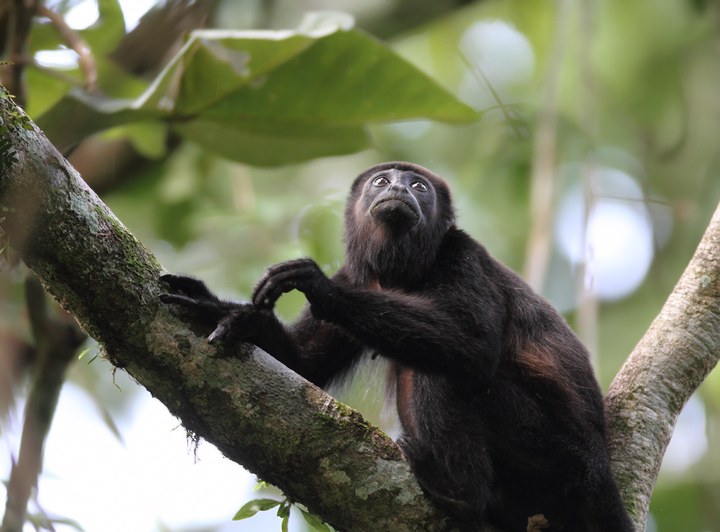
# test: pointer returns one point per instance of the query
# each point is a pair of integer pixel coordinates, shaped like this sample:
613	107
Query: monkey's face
398	199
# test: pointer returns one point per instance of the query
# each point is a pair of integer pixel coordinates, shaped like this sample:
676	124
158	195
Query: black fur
502	416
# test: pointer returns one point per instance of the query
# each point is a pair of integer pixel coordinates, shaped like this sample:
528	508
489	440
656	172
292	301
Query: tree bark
673	358
257	412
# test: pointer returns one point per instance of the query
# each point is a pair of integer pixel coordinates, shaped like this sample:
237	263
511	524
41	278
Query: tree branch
256	411
56	340
73	39
15	19
542	187
670	362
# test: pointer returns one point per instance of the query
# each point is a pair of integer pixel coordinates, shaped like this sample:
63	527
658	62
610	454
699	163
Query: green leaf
107	31
268	143
347	77
270	97
315	522
41	521
79	115
44	91
148	138
260	485
252	507
43	36
284	510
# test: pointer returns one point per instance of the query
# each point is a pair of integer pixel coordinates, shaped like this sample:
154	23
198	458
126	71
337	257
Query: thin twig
75	42
543	164
76	82
587	300
475	69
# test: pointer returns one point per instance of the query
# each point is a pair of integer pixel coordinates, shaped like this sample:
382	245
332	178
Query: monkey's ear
449	223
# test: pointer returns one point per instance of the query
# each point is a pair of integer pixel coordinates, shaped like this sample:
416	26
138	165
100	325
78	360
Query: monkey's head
400	197
395	219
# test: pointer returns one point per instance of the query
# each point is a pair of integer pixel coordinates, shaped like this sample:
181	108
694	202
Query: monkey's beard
395	254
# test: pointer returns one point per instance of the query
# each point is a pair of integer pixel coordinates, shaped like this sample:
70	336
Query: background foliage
210	156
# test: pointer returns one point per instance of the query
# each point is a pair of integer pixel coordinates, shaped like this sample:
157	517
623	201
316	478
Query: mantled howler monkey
502	418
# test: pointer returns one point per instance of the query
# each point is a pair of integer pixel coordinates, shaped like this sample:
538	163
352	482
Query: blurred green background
632	88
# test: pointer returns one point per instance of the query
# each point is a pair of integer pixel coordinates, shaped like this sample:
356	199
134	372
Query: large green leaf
271	97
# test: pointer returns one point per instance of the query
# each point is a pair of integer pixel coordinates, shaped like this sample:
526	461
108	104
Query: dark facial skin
400	199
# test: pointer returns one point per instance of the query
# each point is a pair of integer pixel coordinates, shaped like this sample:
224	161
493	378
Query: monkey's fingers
301	275
236	325
183	301
267	284
219	334
190	286
258	298
272	271
272	288
282	278
208	311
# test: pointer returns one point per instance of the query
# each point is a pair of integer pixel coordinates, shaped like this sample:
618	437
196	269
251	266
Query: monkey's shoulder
464	262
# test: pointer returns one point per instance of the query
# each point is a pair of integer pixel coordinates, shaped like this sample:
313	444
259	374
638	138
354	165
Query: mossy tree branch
256	411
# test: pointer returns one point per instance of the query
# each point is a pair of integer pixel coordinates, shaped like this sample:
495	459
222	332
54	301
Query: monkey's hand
227	320
300	274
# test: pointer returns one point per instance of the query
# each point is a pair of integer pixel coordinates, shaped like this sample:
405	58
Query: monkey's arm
416	330
316	350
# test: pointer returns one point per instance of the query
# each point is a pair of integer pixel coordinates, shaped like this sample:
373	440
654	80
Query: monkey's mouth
409	205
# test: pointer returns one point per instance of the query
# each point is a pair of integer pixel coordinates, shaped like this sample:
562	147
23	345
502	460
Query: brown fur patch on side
404	384
539	361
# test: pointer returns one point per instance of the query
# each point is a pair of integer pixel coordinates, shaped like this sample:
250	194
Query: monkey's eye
380	181
419	185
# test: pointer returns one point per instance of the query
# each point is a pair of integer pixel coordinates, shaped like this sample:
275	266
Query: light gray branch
679	350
